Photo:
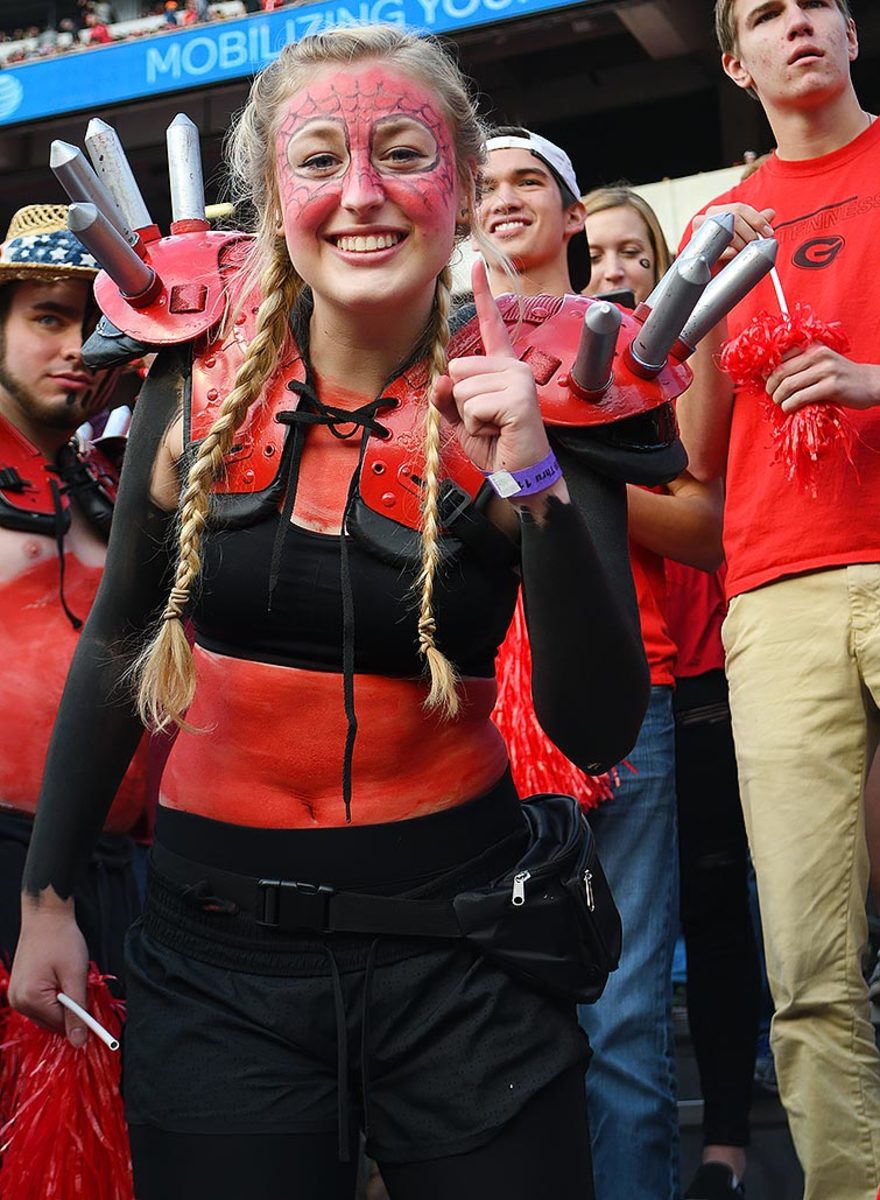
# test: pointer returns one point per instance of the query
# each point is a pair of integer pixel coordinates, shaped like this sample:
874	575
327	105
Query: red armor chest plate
545	331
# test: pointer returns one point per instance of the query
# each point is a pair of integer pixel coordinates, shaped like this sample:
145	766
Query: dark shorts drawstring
450	1046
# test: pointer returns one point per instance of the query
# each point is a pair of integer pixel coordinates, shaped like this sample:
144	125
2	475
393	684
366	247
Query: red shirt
695	610
650	581
827	224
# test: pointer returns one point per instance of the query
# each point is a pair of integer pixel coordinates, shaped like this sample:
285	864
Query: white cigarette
87	1019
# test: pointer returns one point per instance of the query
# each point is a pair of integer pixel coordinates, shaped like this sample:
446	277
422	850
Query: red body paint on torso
271	753
37	643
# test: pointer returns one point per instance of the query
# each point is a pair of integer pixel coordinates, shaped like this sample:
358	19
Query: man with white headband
531	210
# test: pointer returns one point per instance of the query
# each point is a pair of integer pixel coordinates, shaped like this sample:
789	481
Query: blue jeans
631	1081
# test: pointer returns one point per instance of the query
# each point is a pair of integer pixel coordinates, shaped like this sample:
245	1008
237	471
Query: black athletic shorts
424	1045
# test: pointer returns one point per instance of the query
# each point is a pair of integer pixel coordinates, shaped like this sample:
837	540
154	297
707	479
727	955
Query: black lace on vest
343	424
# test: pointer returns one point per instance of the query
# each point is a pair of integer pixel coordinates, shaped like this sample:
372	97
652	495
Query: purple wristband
527	482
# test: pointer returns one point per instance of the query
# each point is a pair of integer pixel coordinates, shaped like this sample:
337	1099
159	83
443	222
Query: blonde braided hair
165	671
442	695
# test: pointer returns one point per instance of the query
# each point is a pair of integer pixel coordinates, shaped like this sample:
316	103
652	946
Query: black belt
294	906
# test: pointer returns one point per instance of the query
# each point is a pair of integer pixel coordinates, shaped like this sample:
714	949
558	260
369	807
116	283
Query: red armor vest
544	329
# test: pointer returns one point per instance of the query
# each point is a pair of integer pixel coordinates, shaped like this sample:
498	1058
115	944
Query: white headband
551	155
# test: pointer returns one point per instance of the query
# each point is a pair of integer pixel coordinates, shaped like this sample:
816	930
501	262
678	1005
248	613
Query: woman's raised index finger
493	331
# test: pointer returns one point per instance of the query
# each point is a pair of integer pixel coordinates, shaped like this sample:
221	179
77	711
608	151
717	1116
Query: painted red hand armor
546	330
192	271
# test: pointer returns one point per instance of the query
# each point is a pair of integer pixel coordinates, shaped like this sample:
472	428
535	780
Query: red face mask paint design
366	166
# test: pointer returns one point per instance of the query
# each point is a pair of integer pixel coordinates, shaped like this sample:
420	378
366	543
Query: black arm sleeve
590	682
98	729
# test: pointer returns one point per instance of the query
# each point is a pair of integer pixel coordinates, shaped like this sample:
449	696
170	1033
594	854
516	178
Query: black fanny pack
550	920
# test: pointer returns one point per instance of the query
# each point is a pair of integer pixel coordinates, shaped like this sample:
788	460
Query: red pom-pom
65	1137
759	349
536	764
802	438
6	1076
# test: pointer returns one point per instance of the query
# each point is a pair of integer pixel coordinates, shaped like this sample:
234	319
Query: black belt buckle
287	904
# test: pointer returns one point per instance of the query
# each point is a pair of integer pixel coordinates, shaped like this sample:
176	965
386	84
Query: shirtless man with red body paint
53	499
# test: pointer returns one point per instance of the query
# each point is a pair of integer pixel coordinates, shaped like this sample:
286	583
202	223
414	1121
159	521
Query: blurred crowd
96	24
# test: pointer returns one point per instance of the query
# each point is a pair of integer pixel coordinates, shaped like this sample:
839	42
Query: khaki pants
803	660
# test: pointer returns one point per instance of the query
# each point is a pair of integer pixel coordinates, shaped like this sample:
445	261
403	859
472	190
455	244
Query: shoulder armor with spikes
546	333
189	297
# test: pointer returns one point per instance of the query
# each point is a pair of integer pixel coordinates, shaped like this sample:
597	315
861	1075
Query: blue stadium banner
217	53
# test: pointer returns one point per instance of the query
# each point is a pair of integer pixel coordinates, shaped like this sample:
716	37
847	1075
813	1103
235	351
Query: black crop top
303	627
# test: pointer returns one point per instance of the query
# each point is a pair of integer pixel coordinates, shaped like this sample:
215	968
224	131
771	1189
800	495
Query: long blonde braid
165	670
443	695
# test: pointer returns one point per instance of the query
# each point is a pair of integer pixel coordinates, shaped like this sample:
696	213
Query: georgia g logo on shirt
818	252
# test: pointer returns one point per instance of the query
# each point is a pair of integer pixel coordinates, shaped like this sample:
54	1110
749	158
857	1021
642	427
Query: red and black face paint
365	136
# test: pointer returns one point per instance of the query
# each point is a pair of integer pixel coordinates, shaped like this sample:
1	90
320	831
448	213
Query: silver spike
711	240
728	287
185	170
75	174
651	345
113	168
127	270
592	368
73	171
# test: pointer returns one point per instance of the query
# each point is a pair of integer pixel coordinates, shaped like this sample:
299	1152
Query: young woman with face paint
332	716
627	245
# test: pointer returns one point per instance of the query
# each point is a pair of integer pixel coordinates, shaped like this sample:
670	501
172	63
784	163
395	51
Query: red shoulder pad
252	463
25	495
546	331
194	269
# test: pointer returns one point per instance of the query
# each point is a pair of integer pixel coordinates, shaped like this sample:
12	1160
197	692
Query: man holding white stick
803	631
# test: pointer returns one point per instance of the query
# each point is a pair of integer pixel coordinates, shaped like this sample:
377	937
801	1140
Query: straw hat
40	247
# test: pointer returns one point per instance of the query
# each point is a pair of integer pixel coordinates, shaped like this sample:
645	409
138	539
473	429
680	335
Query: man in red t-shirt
530	212
803	631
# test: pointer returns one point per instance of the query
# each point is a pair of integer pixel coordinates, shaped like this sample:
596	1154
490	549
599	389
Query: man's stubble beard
50	416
